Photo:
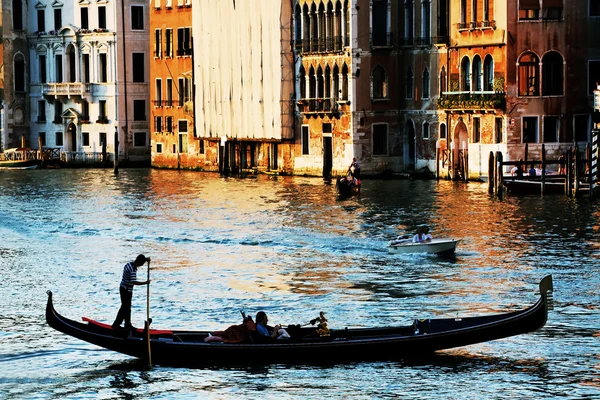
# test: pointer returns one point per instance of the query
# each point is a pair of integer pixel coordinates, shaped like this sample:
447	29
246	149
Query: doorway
327	156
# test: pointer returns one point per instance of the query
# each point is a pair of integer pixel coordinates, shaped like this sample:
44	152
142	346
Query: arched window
330	27
17	15
488	73
463	13
425	130
302	82
320	83
306	21
529	75
477	84
425	84
336	83
409	84
379	22
71	64
298	26
327	93
19	73
442	131
345	82
552	74
312	84
465	75
314	29
321	18
443	84
379	79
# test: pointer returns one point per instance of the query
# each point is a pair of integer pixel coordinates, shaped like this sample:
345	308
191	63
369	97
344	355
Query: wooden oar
148	317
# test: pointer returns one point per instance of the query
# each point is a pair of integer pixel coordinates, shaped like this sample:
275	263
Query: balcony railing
321	45
66	89
476	25
319	105
472	101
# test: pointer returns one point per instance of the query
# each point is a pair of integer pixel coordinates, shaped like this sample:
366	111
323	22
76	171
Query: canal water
290	247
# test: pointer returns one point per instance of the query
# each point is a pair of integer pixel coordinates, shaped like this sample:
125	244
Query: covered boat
522	186
439	246
309	344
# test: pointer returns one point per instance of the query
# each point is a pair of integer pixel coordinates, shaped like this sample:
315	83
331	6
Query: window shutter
529	4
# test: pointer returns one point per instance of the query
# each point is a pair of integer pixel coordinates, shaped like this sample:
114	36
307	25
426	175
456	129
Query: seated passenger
234	334
422	235
262	329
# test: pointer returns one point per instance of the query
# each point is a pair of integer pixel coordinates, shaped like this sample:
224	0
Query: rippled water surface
289	246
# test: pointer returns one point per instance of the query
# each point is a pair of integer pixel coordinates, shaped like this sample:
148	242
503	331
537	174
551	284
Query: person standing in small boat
354	169
422	235
128	281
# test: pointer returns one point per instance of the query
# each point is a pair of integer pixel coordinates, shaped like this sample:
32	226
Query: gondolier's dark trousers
125	310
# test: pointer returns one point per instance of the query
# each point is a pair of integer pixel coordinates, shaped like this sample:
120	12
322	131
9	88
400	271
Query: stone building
174	144
15	67
553	65
514	78
72	81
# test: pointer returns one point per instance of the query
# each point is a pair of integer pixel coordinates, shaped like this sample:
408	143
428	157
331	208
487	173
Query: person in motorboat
263	330
422	235
401	239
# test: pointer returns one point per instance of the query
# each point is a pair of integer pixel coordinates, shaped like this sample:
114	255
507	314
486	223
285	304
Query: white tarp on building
237	68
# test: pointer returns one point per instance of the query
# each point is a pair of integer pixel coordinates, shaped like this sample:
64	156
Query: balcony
66	89
319	105
472	101
322	45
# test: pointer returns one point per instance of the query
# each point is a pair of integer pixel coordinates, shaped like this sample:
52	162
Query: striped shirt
129	276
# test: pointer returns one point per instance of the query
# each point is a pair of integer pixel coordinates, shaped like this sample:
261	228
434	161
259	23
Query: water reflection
290	247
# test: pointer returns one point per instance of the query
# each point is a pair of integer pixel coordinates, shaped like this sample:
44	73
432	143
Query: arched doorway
460	140
409	146
71	137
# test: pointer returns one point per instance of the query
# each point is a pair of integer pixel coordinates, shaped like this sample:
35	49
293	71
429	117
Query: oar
148	317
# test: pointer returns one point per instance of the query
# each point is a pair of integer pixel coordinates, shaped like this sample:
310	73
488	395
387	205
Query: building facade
244	85
16	111
171	104
72	87
74	84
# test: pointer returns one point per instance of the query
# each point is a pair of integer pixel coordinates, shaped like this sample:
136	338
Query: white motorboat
441	246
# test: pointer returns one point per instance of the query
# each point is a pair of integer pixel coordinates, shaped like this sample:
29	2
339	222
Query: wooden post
576	173
491	174
104	155
499	175
465	165
148	322
543	158
526	155
568	172
116	161
40	151
437	160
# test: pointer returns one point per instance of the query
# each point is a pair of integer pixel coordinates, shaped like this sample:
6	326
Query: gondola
306	345
439	246
347	186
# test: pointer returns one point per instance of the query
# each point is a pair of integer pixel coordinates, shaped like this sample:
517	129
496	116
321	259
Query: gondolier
128	281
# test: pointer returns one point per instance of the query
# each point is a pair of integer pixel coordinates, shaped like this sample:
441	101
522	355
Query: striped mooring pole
595	153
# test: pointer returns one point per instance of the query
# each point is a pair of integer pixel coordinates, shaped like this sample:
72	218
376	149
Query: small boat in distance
18	158
347	185
439	246
421	338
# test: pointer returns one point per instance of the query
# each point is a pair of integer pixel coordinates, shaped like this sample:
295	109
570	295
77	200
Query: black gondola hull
187	348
